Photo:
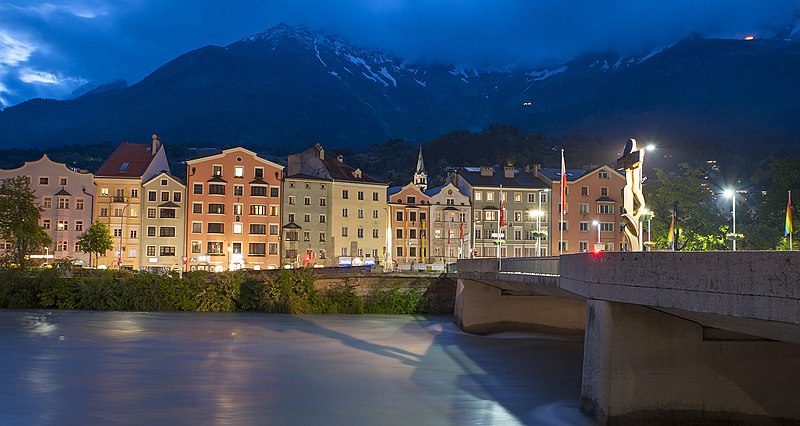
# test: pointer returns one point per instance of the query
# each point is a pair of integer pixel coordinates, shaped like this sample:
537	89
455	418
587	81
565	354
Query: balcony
117	199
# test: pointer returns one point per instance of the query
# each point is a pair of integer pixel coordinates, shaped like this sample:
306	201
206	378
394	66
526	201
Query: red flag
563	183
502	213
461	234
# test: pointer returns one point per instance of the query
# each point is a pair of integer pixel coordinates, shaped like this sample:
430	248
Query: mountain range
290	87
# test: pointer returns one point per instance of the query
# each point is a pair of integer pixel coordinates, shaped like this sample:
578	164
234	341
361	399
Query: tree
19	220
97	239
698	222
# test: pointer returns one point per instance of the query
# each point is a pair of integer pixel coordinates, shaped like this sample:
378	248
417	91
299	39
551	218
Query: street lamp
538	215
730	193
597	224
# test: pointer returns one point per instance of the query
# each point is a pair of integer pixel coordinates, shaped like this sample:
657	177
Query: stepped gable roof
521	179
128	160
339	170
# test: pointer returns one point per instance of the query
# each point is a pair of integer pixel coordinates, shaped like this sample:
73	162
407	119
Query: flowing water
76	367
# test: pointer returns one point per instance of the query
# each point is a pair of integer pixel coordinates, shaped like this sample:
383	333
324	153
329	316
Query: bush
395	300
342	299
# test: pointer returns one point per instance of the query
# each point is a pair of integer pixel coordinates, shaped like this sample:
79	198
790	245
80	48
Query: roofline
166	174
226	151
45	157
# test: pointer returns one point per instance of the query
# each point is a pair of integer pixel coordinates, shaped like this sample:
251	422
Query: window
399	252
412	233
562	226
196	246
517	216
151	251
478	196
603	174
238	190
167	213
44	181
258	210
399	233
63	203
606	226
399	216
344	212
360	233
151	231
216	170
197	208
79	204
151	213
104	192
197	227
216	188
307	201
583	246
360	195
273	248
273	210
167	251
238	171
584	208
412	216
584	226
118	232
258	191
258	172
322	237
134	193
79	225
306	235
517	197
490	215
62	225
134	233
103	212
543	197
238	209
176	197
531	198
374	233
216	208
166	231
375	214
412	251
47	202
344	231
322	202
322	254
151	195
273	229
214	247
375	196
258	228
584	190
216	228
322	218
292	199
604	191
236	248
273	192
605	208
345	194
237	228
197	189
360	214
164	182
307	217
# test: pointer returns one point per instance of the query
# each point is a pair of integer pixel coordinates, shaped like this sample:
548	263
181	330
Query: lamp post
538	215
597	224
730	193
648	215
91	215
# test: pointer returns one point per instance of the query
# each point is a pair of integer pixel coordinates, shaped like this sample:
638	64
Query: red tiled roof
138	157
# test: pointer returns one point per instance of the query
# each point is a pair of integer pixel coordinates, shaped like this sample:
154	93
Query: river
81	367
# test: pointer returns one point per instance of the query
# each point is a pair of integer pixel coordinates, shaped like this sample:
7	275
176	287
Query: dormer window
124	166
357	173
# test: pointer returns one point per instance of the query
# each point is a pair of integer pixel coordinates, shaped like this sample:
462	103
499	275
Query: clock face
449	192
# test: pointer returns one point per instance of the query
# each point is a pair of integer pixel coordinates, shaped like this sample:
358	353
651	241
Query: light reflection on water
194	368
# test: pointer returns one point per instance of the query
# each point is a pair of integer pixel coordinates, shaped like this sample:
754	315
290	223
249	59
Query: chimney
508	172
340	158
156	144
487	171
537	168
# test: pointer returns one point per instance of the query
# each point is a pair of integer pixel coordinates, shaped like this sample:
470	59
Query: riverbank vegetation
287	291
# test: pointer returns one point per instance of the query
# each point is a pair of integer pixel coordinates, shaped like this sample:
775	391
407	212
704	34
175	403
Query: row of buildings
237	210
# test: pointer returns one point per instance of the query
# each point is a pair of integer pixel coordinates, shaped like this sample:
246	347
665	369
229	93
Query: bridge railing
519	265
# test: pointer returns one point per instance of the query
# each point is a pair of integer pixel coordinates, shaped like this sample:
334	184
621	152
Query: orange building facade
594	202
409	213
233	216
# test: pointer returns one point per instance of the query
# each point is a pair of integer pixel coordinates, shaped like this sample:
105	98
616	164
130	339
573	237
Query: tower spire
420	177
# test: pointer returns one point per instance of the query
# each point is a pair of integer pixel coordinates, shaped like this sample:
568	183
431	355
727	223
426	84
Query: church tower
420	177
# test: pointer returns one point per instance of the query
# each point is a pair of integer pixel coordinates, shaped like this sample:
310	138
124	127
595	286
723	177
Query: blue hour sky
49	48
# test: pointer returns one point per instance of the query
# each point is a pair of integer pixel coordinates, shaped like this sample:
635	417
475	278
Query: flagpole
499	231
563	204
789	219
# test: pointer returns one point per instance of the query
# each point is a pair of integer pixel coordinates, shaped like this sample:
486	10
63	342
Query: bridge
668	336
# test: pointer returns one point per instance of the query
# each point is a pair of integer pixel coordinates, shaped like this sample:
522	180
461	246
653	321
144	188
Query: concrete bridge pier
642	365
482	308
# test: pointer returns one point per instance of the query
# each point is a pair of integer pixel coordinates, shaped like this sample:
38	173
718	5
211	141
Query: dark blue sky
49	48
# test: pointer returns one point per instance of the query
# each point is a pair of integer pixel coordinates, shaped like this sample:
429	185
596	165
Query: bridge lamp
648	214
597	224
538	215
729	193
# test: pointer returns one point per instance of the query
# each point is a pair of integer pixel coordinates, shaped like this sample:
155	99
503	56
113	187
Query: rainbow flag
787	228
